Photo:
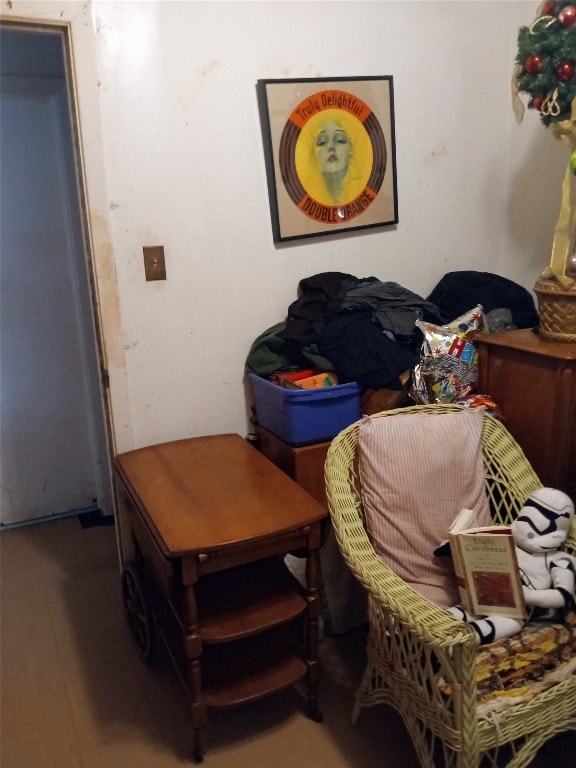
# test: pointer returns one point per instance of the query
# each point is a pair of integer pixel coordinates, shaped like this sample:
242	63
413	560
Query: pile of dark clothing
365	329
507	306
362	328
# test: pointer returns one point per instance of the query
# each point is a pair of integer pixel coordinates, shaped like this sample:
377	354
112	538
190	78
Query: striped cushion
416	472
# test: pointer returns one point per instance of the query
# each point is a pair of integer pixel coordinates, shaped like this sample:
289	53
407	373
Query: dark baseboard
95	518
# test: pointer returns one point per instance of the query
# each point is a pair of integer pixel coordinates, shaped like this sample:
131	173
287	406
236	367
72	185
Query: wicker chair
412	643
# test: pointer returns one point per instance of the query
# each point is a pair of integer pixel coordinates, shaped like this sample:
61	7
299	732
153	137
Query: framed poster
330	154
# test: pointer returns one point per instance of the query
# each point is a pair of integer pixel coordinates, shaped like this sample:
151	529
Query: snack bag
477	400
448	368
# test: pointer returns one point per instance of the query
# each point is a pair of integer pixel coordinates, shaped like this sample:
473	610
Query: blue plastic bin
305	416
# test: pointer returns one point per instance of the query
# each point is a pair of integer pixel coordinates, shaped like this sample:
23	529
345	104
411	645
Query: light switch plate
154	263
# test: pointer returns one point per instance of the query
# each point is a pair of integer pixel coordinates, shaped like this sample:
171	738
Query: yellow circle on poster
333	157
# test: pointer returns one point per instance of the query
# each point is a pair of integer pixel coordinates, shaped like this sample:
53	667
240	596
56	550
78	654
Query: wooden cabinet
204	525
304	464
534	383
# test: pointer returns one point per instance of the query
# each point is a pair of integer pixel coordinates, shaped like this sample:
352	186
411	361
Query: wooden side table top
208	493
526	340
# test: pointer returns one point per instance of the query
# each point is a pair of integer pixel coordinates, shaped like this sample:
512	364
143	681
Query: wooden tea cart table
203	526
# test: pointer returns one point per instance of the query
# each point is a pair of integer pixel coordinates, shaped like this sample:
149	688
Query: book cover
486	568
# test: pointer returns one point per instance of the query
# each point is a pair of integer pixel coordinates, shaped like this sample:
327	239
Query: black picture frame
330	154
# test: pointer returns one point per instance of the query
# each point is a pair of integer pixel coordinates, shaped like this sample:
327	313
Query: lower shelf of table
245	671
250	636
246	600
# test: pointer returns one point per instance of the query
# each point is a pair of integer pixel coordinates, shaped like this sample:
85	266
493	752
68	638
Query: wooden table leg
313	612
193	648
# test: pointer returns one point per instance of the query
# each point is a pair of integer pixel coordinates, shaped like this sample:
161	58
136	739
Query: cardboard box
290	379
318	380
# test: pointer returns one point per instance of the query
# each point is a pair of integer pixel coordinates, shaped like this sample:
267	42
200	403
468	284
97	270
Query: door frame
78	37
74	18
72	430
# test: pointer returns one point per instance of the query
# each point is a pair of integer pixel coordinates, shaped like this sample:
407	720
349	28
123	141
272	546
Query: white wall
184	168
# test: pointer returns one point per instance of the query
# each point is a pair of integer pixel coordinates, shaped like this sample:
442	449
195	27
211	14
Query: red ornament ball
533	63
549	8
536	103
565	71
567	16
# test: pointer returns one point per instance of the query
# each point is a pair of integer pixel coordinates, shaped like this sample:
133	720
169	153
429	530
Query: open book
486	568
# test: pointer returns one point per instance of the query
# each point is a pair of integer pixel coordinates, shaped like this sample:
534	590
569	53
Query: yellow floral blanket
513	670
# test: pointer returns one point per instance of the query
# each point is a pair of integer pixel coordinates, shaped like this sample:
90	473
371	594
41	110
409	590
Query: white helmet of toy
543	522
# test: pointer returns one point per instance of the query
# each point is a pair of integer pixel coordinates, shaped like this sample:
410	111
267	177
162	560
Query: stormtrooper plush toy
547	573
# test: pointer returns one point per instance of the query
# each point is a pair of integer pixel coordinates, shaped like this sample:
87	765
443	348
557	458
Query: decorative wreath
545	69
546	60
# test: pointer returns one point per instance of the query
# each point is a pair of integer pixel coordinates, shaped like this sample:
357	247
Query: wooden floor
75	694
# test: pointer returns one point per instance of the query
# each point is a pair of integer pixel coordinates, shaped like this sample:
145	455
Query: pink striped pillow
417	471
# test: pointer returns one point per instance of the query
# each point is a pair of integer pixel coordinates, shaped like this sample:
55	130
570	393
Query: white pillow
417	471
